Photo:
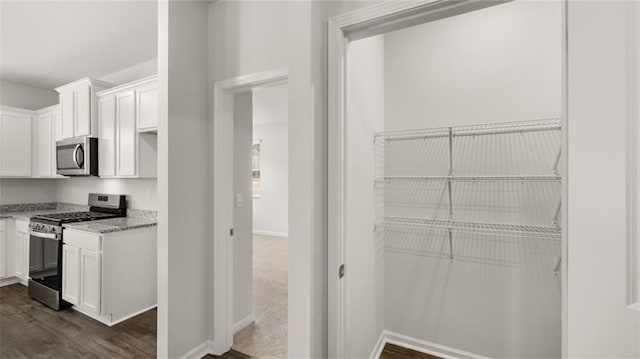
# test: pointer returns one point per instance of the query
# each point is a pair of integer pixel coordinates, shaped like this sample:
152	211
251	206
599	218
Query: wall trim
377	350
269	233
633	159
243	323
199	351
422	346
9	281
221	199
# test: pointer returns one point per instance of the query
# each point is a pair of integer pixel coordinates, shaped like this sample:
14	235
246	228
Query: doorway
250	215
432	133
260	222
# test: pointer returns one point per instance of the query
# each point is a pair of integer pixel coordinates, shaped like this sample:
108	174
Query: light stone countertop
26	215
112	225
136	218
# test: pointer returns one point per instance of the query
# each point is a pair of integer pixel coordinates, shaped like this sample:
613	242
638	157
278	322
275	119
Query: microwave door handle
75	155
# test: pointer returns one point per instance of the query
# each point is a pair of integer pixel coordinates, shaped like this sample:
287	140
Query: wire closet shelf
497	179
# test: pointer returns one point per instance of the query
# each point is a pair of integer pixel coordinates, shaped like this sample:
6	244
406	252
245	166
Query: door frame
362	23
221	201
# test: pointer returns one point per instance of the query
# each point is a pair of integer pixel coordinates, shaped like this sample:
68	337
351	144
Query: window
255	168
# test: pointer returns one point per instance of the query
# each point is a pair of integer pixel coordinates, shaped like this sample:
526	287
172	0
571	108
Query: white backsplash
141	193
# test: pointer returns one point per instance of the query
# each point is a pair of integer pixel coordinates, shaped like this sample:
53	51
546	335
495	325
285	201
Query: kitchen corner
100	259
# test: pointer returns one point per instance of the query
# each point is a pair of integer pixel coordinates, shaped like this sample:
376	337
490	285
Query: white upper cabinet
45	144
45	141
78	107
67	112
147	105
127	118
84	116
107	139
15	142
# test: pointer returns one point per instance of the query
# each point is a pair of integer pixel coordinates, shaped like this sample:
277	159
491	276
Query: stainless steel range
45	245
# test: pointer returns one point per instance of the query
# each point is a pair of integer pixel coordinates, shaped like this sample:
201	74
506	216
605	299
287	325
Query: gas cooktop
70	217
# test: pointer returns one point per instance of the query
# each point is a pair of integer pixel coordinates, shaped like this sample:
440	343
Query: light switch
239	199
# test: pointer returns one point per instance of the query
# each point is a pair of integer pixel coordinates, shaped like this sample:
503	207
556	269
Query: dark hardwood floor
231	354
392	351
29	329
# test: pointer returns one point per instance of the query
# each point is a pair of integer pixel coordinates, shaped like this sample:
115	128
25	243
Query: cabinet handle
75	156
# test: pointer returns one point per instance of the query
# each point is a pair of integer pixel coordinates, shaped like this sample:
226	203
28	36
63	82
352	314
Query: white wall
183	185
270	115
242	214
364	302
493	65
498	64
597	117
141	193
18	191
247	37
27	97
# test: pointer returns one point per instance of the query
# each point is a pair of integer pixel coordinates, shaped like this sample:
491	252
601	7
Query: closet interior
454	180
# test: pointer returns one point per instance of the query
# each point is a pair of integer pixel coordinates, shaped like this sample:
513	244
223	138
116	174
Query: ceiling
46	44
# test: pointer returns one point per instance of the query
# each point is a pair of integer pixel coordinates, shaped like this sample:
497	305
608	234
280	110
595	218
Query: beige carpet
267	336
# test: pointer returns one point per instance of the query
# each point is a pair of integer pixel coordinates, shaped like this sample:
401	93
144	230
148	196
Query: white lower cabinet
112	276
3	250
71	274
90	281
21	251
81	277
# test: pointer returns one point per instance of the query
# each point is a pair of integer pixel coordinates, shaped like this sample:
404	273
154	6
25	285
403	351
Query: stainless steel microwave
77	157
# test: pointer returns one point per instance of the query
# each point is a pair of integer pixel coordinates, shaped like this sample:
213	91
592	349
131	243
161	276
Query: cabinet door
15	144
126	130
107	139
147	105
90	283
19	256
83	110
57	127
71	274
25	251
67	113
45	145
3	255
56	121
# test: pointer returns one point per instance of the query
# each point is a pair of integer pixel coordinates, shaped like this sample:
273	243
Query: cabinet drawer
84	240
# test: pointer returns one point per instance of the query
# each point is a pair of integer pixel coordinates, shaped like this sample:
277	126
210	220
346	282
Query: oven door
45	253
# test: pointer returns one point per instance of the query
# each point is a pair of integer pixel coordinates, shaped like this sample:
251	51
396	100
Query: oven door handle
54	236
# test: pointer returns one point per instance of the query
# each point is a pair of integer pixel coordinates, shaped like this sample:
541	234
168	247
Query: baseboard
422	346
9	281
243	323
377	350
198	352
269	233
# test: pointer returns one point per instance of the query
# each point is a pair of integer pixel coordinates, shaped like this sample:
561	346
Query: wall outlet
239	199
149	194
